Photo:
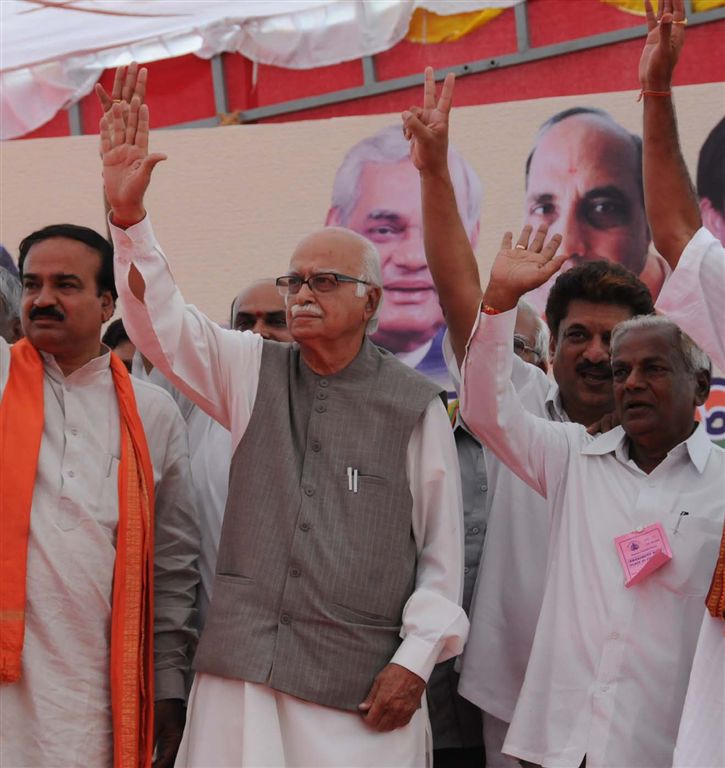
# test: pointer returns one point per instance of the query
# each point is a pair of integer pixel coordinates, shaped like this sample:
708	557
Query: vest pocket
358	616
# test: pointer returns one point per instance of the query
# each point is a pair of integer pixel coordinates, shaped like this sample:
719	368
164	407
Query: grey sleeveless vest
311	576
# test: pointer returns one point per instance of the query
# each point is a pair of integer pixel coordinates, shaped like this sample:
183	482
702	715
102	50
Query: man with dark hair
116	339
593	298
692	297
711	181
84	451
584	180
10	290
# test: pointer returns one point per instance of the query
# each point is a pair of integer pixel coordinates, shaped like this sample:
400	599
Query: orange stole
131	670
716	596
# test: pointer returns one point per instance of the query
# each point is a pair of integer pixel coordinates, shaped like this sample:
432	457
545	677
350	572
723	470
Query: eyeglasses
245	321
520	346
322	282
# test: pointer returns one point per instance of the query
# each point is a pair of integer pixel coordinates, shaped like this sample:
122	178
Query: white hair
390	146
542	335
694	358
10	293
372	273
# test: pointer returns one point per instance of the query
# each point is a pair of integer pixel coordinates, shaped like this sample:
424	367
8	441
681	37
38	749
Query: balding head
259	308
584	179
348	305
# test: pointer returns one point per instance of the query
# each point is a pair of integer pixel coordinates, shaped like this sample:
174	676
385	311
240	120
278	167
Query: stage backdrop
230	203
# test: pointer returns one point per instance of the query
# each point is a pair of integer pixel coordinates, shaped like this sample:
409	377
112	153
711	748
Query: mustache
51	312
309	308
603	369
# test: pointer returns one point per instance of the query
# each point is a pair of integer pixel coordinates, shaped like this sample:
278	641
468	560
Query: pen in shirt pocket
679	520
352	479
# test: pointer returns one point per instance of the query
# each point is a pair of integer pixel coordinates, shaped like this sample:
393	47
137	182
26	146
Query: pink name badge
642	552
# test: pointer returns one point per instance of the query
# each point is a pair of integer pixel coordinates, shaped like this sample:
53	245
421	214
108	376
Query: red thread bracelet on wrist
653	93
487	310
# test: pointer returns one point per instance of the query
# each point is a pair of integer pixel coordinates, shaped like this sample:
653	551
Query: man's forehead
589	313
584	145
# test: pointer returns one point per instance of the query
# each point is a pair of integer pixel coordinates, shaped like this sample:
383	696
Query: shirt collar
553	404
697	445
95	365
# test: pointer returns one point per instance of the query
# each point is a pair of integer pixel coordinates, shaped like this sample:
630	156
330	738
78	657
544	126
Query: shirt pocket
695	548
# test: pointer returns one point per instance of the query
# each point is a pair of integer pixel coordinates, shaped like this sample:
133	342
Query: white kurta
609	666
693	294
210	452
219	370
59	713
693	298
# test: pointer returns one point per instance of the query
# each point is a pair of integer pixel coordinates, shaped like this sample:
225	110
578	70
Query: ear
702	387
552	346
334	217
373	299
108	306
712	219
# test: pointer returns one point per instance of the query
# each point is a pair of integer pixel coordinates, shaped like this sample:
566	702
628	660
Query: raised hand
127	165
665	37
427	128
128	82
521	268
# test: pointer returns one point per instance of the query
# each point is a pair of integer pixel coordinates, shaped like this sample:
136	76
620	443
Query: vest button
309	491
324	383
316	446
295	572
285	619
320	408
305	526
322	395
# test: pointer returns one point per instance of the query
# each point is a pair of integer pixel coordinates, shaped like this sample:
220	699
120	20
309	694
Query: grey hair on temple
10	293
694	358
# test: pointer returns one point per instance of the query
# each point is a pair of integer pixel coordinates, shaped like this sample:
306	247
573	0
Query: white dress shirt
693	294
219	370
59	713
609	666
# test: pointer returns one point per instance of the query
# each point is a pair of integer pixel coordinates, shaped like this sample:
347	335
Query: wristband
487	310
653	93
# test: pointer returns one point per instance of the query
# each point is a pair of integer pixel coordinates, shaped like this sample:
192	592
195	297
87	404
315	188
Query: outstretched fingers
129	83
552	262
538	241
142	130
650	14
523	241
132	120
105	134
446	98
118	134
429	89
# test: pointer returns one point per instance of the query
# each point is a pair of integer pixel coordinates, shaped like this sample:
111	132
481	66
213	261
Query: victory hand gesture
127	165
427	128
518	270
664	42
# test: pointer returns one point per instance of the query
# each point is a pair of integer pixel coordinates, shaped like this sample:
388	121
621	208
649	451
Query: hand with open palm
522	268
127	164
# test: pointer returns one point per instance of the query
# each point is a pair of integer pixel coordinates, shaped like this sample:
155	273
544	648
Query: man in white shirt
584	305
329	618
609	666
692	297
60	710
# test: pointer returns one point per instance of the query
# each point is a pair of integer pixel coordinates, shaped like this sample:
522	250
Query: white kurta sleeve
176	550
216	368
435	626
693	295
533	448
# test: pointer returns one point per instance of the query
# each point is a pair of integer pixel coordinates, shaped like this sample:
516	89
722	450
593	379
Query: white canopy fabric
52	52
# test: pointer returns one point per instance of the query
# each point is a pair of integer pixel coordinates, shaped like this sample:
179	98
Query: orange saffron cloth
131	671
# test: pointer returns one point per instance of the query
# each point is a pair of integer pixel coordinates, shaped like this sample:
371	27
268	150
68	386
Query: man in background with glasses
338	579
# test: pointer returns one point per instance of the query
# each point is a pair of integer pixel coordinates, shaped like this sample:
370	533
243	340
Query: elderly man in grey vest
338	580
